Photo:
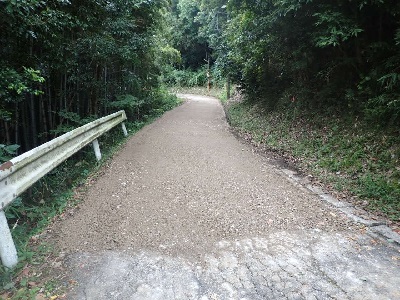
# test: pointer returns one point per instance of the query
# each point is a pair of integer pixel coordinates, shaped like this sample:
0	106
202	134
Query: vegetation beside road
320	81
63	188
352	159
62	65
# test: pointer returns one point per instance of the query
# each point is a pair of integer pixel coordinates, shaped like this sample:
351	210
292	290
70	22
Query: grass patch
344	153
200	90
30	214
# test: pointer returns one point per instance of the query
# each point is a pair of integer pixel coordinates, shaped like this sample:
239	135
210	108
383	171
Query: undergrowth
343	152
30	214
217	92
188	78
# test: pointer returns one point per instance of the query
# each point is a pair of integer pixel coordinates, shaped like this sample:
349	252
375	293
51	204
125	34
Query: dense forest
64	63
319	54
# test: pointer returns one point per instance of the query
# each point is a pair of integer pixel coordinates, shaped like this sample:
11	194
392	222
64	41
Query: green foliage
69	121
126	102
322	55
29	214
63	62
14	84
7	152
185	78
335	28
185	36
351	156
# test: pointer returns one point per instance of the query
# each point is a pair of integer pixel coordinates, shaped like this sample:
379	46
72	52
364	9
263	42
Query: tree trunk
49	108
33	121
25	128
7	130
44	122
16	138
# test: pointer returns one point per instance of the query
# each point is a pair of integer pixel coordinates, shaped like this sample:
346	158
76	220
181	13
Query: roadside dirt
185	197
183	183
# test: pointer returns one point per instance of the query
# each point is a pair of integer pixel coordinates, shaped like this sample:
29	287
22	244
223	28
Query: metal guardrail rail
21	172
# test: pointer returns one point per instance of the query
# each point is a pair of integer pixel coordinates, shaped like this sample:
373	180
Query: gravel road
187	211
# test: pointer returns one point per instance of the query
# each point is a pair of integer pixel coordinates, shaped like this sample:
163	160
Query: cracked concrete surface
186	211
301	265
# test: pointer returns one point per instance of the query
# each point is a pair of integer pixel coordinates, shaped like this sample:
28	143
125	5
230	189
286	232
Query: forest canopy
339	54
65	62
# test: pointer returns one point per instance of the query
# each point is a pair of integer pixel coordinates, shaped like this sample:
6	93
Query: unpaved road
187	211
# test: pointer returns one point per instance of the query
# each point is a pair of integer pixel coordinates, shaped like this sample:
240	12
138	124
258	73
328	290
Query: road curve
187	211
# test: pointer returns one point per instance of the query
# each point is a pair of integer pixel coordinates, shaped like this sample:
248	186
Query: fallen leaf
25	272
40	297
5	295
373	241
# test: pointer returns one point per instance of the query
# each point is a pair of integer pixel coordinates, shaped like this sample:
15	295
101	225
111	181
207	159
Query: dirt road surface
187	211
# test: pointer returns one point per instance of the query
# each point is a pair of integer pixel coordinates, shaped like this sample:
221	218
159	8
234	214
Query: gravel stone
187	211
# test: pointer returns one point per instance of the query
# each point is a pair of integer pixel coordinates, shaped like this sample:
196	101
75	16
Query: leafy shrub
7	152
349	155
185	78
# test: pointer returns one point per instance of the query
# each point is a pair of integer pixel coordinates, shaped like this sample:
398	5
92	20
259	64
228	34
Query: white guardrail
21	172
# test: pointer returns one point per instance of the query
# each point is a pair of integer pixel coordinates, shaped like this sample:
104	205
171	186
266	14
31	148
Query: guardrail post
124	129
8	252
96	148
18	174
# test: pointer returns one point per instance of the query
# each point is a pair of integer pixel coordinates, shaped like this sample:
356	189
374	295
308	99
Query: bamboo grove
65	62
